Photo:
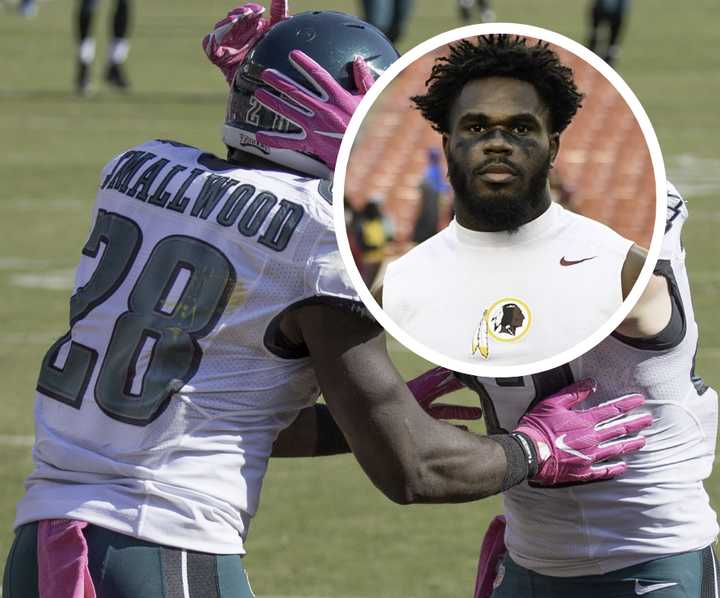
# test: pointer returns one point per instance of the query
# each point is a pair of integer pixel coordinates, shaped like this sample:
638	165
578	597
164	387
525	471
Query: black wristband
330	439
528	447
518	466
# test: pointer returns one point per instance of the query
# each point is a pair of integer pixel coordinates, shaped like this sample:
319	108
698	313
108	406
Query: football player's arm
313	433
651	314
407	454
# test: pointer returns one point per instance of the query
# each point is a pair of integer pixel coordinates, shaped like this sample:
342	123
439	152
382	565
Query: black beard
500	211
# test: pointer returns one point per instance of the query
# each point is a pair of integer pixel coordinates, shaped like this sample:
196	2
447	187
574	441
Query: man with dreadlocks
501	104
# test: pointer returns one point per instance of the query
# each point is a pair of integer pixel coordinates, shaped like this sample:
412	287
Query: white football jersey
508	298
659	506
156	413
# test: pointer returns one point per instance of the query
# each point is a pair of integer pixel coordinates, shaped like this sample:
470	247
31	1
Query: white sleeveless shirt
508	298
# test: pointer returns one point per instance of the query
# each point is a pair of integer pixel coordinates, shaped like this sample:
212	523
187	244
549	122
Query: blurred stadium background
604	164
323	530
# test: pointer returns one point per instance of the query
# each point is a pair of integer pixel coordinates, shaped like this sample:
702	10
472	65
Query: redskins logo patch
507	320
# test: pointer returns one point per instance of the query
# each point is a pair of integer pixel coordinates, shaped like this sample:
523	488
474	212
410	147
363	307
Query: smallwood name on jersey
240	197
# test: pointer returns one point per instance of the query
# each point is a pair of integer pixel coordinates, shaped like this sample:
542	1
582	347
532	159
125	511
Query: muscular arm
313	433
652	312
407	454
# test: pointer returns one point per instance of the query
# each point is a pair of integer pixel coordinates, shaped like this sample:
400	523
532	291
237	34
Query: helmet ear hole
333	40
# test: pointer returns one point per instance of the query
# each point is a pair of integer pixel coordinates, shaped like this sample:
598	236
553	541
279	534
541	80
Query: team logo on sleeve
506	320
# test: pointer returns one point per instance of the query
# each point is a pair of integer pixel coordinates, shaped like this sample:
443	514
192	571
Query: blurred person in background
433	188
376	231
353	231
390	16
118	46
27	8
606	19
487	15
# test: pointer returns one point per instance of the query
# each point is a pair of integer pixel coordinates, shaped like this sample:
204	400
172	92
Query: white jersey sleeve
676	216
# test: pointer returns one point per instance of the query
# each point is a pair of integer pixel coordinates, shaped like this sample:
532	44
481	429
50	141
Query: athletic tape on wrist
517	465
528	447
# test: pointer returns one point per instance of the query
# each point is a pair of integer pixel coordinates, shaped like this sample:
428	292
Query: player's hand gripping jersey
659	506
156	413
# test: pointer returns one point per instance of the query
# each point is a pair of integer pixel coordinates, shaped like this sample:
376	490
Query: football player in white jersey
517	278
211	306
651	531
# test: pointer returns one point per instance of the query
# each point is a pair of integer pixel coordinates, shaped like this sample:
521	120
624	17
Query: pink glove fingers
278	11
570	442
239	22
326	87
235	35
615	449
616	407
290	88
237	14
282	107
626	426
433	384
605	471
576	393
328	107
362	75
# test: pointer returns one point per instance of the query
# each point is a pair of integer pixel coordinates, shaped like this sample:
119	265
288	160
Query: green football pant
125	567
685	575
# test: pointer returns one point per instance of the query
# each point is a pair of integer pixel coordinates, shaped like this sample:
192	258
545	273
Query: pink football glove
572	446
322	116
233	37
434	384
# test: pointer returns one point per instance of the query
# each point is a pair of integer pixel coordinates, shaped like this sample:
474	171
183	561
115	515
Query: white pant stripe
184	573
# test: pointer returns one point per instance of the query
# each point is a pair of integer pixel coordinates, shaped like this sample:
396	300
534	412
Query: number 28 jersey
156	412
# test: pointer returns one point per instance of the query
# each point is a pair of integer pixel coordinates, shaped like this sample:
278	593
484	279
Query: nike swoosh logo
641	589
564	262
561	444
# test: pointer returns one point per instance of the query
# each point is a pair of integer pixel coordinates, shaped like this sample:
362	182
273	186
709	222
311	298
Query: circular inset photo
496	197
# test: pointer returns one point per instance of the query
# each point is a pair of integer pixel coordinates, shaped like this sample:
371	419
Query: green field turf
323	530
